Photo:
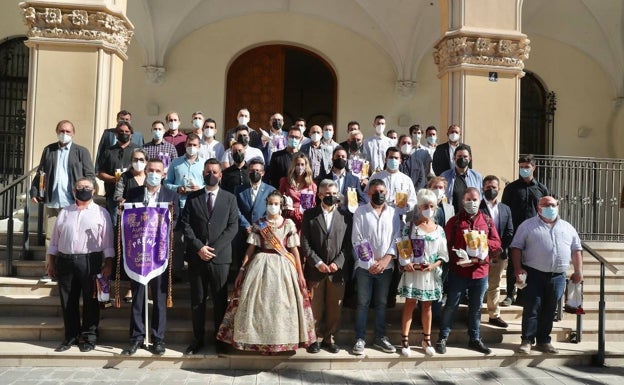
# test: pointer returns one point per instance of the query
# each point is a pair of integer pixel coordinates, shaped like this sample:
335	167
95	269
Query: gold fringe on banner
170	286
119	256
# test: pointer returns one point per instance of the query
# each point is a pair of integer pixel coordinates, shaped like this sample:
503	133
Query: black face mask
354	146
211	180
238	157
84	195
244	140
378	198
330	200
254	176
340	163
123	138
277	125
462	162
490	194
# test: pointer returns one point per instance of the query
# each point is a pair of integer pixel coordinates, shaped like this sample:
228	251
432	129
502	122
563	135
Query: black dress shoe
194	348
479	346
330	347
86	346
134	346
498	321
314	348
66	344
158	348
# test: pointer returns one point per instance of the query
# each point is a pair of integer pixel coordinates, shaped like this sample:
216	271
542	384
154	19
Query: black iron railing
9	201
589	192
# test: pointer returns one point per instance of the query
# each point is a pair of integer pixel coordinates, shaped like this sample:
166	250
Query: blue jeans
457	286
541	295
365	282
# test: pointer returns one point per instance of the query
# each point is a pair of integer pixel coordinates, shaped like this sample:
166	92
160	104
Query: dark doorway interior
537	116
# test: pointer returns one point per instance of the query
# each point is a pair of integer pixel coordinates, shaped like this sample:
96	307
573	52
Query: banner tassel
117	301
170	286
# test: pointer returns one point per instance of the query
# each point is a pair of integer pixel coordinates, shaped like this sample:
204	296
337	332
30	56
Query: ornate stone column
77	50
480	60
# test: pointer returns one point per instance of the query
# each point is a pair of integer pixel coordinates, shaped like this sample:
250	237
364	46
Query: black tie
209	203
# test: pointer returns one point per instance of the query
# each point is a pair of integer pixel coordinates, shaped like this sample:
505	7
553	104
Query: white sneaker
525	347
358	348
429	350
405	352
45	279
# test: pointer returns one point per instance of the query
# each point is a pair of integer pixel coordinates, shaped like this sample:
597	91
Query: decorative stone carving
154	75
457	50
405	89
78	24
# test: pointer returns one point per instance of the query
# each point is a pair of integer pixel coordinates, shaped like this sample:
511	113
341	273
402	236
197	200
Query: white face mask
273	209
198	123
439	193
209	133
454	137
139	166
64	138
173	125
299	170
192	151
406	149
379	129
393	142
428	213
243	120
316	137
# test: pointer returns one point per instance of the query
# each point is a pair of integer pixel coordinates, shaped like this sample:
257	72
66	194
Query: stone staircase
31	326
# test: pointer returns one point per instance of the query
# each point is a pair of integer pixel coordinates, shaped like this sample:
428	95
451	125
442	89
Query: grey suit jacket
318	244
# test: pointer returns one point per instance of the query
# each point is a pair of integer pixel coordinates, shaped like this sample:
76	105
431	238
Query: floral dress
426	285
269	312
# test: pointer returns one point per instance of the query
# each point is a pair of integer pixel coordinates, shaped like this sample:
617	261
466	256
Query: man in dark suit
109	136
501	216
325	240
444	153
209	223
280	160
62	164
152	192
344	179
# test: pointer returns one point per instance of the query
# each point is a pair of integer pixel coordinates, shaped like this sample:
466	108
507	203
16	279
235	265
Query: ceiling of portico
405	30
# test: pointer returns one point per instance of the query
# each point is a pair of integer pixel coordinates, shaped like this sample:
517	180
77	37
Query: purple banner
145	240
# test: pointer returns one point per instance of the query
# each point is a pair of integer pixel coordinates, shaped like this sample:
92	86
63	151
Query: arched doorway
537	116
13	93
280	78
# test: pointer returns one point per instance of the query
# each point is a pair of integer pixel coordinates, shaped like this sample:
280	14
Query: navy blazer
249	213
216	230
79	165
505	225
137	194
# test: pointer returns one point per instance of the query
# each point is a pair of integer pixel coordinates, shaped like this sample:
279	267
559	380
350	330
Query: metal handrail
599	358
9	195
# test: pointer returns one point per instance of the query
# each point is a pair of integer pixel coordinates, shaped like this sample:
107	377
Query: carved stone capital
405	89
154	75
457	50
93	26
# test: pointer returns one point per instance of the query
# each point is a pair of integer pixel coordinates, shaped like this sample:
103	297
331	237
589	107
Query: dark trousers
511	280
158	286
203	276
76	276
542	294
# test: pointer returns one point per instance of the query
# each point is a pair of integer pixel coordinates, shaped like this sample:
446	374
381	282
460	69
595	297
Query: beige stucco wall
197	67
585	99
11	23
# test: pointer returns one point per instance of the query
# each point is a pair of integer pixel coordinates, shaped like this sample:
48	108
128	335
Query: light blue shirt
546	248
62	195
182	173
473	179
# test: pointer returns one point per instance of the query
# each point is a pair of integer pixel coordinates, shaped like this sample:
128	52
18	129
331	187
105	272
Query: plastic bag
574	297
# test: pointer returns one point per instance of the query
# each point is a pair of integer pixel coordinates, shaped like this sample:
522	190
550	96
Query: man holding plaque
149	195
209	223
401	193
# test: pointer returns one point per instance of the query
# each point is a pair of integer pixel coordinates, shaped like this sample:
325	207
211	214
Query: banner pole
147	328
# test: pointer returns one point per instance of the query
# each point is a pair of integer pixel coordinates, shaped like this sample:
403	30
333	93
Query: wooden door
255	81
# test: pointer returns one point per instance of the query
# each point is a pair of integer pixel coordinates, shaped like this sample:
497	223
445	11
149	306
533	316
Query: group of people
307	222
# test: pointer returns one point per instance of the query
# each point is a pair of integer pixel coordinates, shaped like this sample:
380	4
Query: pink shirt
83	231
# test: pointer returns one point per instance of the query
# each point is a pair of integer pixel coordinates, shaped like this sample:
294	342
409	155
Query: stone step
34	253
41	354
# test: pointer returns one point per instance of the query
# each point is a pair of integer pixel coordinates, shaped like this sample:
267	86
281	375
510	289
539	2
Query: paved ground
506	376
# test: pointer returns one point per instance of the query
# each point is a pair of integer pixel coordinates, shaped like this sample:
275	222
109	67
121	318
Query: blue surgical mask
153	179
526	172
432	139
157	134
550	213
327	135
293	143
393	164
